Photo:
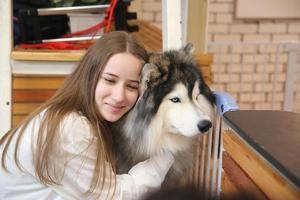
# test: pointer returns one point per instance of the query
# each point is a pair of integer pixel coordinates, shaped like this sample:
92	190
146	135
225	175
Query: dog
174	107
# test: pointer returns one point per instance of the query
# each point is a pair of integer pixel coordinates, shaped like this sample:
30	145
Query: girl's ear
188	48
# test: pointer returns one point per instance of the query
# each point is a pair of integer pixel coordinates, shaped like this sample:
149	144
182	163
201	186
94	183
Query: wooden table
266	144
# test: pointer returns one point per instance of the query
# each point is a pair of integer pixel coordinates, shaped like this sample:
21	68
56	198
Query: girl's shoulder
77	124
75	119
76	129
71	121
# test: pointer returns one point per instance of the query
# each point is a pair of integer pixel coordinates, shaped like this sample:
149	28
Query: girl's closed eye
133	86
108	80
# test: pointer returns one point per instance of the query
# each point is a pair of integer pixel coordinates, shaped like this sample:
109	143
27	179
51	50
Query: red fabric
109	14
92	29
58	45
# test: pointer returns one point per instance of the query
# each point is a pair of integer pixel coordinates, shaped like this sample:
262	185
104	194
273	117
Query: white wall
5	69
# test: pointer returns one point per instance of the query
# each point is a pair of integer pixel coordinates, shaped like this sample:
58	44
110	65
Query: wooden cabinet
30	91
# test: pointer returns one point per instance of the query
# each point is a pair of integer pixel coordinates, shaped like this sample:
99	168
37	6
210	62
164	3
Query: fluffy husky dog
175	105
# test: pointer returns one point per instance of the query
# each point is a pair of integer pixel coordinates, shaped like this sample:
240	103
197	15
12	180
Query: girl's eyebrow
110	74
135	81
106	73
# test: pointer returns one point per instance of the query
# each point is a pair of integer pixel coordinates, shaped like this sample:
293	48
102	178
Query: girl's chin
112	117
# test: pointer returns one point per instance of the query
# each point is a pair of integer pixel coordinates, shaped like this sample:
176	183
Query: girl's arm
78	159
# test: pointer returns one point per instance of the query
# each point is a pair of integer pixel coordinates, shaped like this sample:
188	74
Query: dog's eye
175	100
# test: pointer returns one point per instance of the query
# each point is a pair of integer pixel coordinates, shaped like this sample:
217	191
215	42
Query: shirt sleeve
75	167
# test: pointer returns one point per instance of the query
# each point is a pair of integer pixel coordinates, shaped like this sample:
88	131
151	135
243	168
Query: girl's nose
118	94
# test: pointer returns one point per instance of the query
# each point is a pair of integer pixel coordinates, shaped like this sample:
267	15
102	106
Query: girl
64	149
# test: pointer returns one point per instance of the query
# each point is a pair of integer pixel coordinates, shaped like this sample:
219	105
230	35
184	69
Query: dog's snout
204	125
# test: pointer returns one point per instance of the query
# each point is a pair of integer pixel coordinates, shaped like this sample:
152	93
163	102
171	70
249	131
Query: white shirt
75	137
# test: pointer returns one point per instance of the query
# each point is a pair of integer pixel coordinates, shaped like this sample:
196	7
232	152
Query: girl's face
117	89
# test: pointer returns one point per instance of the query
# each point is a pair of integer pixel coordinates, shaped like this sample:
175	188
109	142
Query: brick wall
223	26
248	68
150	10
246	71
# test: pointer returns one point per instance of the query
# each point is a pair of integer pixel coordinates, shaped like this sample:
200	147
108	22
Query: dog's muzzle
204	126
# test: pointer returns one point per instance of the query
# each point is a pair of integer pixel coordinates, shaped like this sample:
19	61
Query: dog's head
173	89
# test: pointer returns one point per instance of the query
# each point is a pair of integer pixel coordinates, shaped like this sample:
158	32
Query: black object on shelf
35	28
121	16
34	23
29	27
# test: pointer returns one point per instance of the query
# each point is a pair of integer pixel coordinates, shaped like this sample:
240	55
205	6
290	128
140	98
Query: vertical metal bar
242	71
230	62
290	77
215	157
184	20
252	77
171	23
220	155
196	174
202	163
275	75
208	166
297	98
265	81
200	155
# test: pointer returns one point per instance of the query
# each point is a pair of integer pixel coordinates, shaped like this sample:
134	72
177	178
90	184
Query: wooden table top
274	134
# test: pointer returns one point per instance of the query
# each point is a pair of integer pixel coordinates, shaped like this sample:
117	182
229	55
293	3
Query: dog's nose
204	125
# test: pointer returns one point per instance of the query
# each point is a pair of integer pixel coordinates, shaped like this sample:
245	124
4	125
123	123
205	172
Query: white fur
175	124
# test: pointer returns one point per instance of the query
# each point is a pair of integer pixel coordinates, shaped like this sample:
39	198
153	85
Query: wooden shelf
46	55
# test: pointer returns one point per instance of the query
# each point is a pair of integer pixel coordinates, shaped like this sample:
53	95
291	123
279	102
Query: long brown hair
76	95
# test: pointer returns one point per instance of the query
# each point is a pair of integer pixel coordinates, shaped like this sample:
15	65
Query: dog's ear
188	48
150	72
196	90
